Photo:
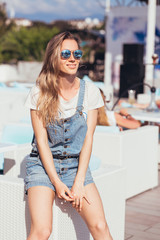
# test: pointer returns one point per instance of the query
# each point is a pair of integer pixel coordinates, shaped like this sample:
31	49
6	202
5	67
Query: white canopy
151	23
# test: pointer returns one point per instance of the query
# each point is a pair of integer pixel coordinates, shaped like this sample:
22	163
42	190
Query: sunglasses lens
66	54
77	54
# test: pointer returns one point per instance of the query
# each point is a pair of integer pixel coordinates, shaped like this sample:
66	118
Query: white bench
12	107
67	224
137	150
14	163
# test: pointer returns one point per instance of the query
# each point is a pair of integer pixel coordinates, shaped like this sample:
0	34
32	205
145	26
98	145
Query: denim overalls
65	139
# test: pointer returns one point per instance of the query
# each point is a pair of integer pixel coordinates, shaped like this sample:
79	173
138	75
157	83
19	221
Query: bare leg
93	214
40	199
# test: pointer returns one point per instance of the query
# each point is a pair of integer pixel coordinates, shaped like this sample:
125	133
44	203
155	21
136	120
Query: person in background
111	118
64	115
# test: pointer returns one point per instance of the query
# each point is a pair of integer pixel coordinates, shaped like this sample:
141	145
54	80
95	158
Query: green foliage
26	44
22	43
3	13
86	52
4	26
62	25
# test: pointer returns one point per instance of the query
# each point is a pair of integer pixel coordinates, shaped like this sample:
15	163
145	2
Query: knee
42	233
100	228
45	233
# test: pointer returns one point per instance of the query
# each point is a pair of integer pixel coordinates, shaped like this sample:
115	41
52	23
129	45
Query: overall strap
81	96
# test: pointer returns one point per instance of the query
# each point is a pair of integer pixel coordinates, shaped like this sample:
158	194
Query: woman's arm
78	187
47	158
128	121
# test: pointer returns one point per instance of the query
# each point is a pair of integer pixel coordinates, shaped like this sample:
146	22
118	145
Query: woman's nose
72	57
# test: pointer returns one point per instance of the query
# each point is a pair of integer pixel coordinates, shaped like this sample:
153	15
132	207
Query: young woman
64	116
111	118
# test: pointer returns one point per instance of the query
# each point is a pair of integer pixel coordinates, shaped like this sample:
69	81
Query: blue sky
48	10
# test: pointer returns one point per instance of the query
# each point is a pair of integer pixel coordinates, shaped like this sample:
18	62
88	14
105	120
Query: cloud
29	6
58	8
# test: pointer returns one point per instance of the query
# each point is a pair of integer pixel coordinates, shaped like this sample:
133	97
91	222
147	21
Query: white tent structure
151	23
150	41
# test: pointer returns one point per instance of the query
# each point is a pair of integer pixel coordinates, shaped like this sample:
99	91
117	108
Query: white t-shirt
92	100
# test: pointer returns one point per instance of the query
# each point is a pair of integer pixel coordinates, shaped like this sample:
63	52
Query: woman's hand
120	128
63	191
78	191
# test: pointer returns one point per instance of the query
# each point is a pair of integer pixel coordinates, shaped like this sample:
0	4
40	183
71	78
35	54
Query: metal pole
150	42
108	62
108	57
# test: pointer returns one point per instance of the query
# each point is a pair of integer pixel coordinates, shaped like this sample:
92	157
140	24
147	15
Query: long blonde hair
47	80
102	118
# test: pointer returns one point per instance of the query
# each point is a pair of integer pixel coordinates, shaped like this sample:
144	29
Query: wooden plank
142	234
154	230
141	227
155	212
143	215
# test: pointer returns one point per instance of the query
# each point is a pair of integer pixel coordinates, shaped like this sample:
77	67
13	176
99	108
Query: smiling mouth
71	65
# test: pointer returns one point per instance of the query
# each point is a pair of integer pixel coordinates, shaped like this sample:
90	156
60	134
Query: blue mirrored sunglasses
65	54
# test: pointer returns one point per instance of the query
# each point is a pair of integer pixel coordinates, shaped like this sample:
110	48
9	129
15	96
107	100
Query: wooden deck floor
143	216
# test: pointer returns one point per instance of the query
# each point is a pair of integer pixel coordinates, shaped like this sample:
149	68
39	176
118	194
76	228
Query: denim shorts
66	170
